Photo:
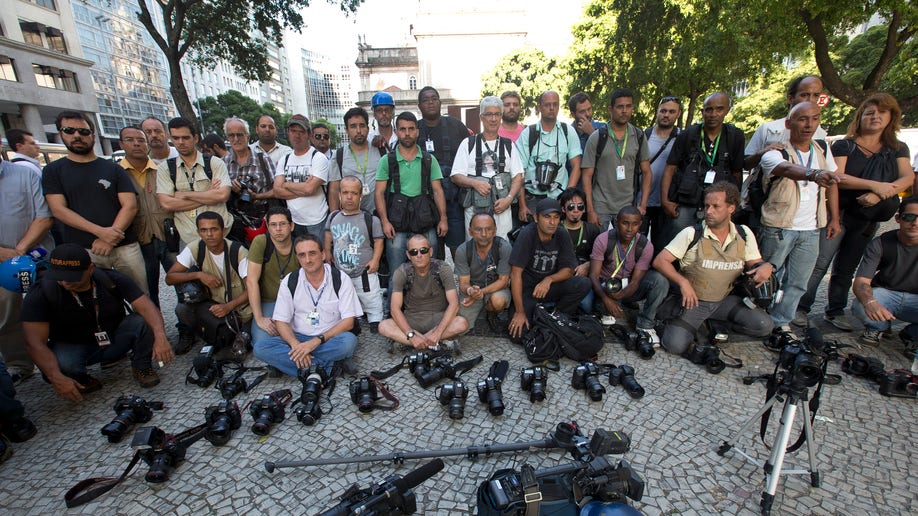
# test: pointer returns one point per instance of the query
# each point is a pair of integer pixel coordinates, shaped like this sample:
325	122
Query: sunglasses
421	250
71	130
322	136
908	217
577	207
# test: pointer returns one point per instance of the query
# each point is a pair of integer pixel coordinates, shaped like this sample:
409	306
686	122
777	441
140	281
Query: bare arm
334	188
646	185
575	172
63	213
284	189
162	351
34	234
36	339
174	203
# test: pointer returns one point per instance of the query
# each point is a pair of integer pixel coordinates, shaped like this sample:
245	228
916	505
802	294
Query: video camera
129	411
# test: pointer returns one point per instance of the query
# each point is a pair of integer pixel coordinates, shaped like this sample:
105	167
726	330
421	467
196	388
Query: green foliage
332	130
529	72
233	103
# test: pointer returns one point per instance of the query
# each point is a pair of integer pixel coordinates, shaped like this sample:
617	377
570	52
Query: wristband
871	301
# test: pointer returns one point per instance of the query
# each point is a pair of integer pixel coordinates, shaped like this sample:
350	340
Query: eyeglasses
232	136
422	250
490	115
71	130
322	136
670	98
577	207
908	217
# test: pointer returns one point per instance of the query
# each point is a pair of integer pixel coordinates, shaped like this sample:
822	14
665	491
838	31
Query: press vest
783	199
218	294
712	274
148	223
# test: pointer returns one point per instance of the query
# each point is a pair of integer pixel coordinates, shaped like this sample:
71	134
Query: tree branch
830	77
890	49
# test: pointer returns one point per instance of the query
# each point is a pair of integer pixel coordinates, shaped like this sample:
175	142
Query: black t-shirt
91	190
857	161
898	274
71	322
584	246
731	137
446	137
541	259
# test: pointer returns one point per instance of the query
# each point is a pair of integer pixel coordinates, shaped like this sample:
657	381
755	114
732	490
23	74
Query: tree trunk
178	91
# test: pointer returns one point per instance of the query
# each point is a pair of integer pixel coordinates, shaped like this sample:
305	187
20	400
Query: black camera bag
556	334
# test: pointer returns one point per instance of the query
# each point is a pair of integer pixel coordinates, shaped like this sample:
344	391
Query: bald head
715	109
549	105
802	122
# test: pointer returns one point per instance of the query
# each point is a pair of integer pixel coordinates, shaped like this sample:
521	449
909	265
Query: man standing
76	317
488	169
356	160
314	320
583	234
659	144
711	258
26	223
610	171
409	196
424	304
510	126
254	170
354	243
441	136
267	140
582	112
383	137
702	154
483	269
187	186
300	179
542	268
148	223
94	200
156	133
545	148
802	198
214	145
270	259
321	139
25	149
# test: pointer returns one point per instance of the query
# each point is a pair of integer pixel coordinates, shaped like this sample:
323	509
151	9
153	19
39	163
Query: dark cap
299	120
546	206
68	262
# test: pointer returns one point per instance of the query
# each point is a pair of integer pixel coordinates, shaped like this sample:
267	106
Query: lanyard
283	270
95	304
315	300
557	159
366	160
710	157
620	152
809	159
618	258
579	237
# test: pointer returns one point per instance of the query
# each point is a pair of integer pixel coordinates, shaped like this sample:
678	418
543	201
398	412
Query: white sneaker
651	335
801	318
607	320
915	366
787	331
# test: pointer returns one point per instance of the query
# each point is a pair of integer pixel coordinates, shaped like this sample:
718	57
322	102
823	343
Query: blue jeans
795	253
132	334
154	255
587	303
687	216
10	408
652	290
258	335
275	352
396	247
316	229
903	305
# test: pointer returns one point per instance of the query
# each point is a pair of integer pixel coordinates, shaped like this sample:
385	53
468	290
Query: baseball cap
68	262
546	206
299	120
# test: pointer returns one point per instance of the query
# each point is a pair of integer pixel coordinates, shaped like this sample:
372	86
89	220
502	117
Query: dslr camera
803	361
129	411
161	451
437	369
453	394
313	379
899	383
706	354
634	341
586	377
419	363
204	369
244	194
624	375
222	419
534	380
231	386
364	394
267	411
489	392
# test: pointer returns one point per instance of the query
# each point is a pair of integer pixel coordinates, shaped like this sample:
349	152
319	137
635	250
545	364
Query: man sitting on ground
270	258
483	268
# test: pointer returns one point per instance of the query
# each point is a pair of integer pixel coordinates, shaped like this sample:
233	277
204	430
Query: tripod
792	396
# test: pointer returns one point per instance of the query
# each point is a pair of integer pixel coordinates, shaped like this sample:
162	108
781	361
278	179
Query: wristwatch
410	335
322	339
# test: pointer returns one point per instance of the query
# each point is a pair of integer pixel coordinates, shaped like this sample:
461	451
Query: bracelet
871	301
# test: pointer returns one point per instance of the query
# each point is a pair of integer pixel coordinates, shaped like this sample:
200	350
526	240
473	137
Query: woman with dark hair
876	169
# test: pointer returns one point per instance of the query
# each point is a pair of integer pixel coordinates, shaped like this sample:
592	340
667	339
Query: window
56	78
40	35
7	70
31	32
412	83
49	4
56	40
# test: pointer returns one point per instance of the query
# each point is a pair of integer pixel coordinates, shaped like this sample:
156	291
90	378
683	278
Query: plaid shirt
255	173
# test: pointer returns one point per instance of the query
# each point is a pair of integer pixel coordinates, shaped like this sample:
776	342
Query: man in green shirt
271	257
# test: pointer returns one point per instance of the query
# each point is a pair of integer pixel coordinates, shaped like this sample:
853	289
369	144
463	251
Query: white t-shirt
805	218
774	132
186	258
464	162
329	308
312	209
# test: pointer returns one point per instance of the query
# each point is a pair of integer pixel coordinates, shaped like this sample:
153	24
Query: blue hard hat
19	273
597	508
382	99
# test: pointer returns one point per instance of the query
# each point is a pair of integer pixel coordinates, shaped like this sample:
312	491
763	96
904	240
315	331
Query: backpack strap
264	168
824	145
199	257
336	278
639	245
172	169
534	131
269	249
207	171
17	160
601	141
696	237
394	173
426	187
479	163
292	279
339	157
503	144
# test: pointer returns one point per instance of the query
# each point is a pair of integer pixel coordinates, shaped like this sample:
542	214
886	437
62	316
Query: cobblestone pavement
865	449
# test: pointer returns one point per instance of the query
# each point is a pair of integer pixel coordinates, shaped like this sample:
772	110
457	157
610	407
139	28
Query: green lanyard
713	155
620	152
366	159
618	258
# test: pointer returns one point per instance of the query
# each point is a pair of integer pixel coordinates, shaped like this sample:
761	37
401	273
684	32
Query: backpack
173	168
434	269
638	246
687	187
536	129
556	334
411	214
233	258
636	176
757	193
294	278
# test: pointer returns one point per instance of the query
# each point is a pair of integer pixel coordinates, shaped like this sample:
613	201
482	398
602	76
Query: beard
82	151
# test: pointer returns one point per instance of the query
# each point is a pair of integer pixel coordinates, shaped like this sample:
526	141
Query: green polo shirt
409	172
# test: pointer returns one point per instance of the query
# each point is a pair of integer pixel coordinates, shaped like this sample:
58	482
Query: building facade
330	88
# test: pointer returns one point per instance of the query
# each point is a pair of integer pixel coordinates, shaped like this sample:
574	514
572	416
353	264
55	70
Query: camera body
586	377
244	194
454	394
624	375
230	387
363	393
706	354
129	411
489	392
222	419
436	369
266	411
204	367
803	365
534	380
161	451
899	383
634	341
313	379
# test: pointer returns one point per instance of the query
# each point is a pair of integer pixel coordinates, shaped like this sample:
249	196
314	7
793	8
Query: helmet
192	292
762	296
382	99
19	273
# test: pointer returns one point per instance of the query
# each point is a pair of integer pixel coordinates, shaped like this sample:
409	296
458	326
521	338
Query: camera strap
386	393
532	494
499	369
382	375
464	367
772	390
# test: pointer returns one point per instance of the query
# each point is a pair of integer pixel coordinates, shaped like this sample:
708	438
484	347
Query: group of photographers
279	249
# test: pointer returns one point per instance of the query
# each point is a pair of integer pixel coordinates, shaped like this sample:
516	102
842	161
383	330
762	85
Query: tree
236	31
529	72
216	110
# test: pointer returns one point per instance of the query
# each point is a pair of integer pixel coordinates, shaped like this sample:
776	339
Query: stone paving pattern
865	450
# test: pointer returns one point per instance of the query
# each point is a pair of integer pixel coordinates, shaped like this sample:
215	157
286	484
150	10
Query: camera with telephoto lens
489	392
634	341
545	174
364	394
161	451
266	411
706	354
204	368
418	363
624	375
233	385
130	410
454	394
534	380
244	194
222	419
899	383
586	376
313	379
438	368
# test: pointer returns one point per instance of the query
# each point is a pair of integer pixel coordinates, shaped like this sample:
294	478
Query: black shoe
374	327
347	366
185	343
493	322
6	449
273	372
90	384
19	430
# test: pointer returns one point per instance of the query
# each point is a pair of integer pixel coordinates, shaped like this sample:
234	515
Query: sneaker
185	343
19	430
90	384
915	366
651	335
146	377
801	319
374	327
871	337
786	331
910	346
607	320
839	321
451	345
